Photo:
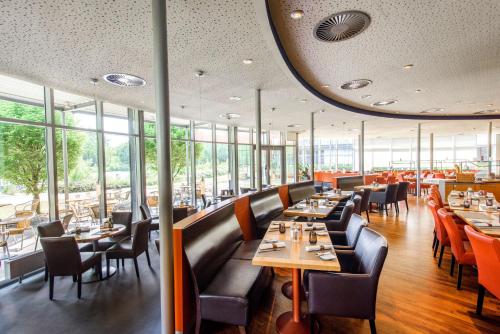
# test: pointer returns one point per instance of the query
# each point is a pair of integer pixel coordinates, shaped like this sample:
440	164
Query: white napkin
315	248
322	233
264	246
316	227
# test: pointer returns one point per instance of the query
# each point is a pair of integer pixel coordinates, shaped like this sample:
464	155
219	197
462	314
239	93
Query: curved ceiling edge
347	107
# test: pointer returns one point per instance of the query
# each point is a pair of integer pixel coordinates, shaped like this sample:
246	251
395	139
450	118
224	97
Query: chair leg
436	248
368	215
22	240
480	299
107	267
441	256
75	278
311	323
46	276
51	287
117	263
242	329
79	280
397	208
373	329
434	242
147	256
406	202
459	280
136	267
452	269
36	241
386	210
123	263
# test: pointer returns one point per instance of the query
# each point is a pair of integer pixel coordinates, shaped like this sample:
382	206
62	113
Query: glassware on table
310	223
489	201
466	204
313	237
294	232
282	228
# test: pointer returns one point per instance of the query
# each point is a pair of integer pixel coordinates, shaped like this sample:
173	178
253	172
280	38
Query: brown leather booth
299	191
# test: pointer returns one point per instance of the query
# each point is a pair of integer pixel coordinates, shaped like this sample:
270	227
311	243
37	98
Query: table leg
91	276
294	322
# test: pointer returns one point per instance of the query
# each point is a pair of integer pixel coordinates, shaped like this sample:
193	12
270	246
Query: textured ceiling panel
454	46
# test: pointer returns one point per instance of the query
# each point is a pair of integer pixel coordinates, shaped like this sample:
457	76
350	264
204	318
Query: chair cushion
106	243
120	250
246	250
90	259
228	296
468	257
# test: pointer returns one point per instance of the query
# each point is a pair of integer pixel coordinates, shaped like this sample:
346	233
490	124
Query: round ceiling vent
124	80
341	26
356	84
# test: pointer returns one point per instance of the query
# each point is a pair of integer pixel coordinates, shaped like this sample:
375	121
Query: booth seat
227	287
265	207
299	191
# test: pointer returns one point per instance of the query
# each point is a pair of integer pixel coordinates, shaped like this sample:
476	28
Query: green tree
23	148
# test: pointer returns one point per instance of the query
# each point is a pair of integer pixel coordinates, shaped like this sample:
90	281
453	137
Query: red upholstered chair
461	250
487	251
440	237
381	180
439	175
391	179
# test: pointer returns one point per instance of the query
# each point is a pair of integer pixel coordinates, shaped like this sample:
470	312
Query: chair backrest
391	179
66	220
437	195
457	245
370	253
356	224
123	218
180	213
401	178
62	255
357	204
299	191
441	233
402	192
346	214
381	180
52	229
487	252
146	213
391	192
365	199
439	176
141	236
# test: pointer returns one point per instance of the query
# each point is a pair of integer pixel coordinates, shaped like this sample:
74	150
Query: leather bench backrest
299	191
370	252
209	243
265	205
356	223
349	182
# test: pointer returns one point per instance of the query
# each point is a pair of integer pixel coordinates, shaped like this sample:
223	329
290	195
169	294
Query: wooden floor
414	295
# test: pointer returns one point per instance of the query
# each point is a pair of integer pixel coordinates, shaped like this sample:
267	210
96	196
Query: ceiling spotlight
94	81
247	61
408	66
199	73
431	110
384	103
294	125
325	86
365	96
418	90
303	100
332	124
273	109
229	115
235	98
488	111
297	14
124	80
356	84
489	105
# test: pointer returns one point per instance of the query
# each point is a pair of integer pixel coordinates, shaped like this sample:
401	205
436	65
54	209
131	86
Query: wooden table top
474	218
378	187
332	196
96	233
294	254
305	210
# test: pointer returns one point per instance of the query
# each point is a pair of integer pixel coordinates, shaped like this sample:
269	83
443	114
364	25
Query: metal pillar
160	67
419	135
258	138
234	161
101	160
296	153
50	138
192	155
362	149
431	152
141	158
490	146
65	158
312	146
214	161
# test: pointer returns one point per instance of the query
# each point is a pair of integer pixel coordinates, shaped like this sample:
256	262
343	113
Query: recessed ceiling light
124	80
356	84
94	81
322	111
325	86
229	115
355	129
365	96
431	110
247	61
408	66
297	14
332	124
273	109
489	105
384	103
294	125
418	90
303	100
235	98
199	73
488	111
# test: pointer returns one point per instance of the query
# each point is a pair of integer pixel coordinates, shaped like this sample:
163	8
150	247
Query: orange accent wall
178	281
242	212
283	192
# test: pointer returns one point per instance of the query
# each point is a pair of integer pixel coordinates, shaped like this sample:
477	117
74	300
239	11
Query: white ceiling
63	44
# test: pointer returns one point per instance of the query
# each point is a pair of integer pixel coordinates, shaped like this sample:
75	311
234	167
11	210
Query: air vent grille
341	26
124	80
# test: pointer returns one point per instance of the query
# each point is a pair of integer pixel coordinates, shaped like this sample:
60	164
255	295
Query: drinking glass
282	228
313	238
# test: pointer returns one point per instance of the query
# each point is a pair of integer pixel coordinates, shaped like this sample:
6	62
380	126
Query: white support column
419	135
50	139
312	146
431	152
258	139
160	67
101	160
362	149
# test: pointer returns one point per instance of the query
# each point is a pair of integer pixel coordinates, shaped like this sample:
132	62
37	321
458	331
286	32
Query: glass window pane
115	118
223	175
275	137
204	175
222	133
75	111
117	153
151	174
180	163
244	167
290	164
203	131
179	132
21	100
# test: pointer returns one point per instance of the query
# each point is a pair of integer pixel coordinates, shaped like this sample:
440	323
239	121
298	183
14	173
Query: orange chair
487	250
391	179
439	176
461	250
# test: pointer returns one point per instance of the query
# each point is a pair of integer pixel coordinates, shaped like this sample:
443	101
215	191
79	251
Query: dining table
332	196
297	256
92	235
310	211
372	187
485	222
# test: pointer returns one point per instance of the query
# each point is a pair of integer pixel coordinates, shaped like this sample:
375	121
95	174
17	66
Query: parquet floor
414	295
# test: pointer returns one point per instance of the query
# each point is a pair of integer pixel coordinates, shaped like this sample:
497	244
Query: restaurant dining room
250	167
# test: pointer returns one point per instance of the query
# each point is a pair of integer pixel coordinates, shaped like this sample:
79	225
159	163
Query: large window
244	165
